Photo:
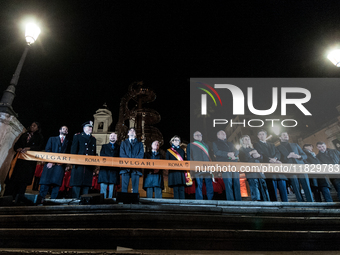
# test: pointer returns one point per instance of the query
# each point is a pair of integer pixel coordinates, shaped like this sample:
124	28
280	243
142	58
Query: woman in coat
24	170
257	184
176	178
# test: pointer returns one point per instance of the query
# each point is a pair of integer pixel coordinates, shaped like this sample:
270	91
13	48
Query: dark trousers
76	191
208	185
36	183
126	180
103	189
179	192
304	180
44	189
232	186
325	192
271	190
281	185
258	189
336	184
157	190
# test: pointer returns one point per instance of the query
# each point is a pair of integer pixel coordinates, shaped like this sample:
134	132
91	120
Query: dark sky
89	52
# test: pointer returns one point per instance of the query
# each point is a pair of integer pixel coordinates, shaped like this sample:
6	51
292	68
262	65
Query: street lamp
334	57
32	32
276	130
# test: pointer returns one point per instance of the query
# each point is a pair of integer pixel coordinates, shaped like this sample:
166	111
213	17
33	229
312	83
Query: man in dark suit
329	156
81	176
153	178
225	151
319	184
109	176
291	153
199	151
53	174
271	155
131	148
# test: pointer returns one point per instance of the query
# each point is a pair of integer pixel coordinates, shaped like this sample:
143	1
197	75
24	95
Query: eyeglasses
177	140
198	135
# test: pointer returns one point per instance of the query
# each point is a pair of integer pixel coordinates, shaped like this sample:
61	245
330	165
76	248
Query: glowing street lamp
334	57
32	32
276	130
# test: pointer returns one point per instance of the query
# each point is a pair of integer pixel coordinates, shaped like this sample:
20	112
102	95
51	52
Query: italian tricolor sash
188	180
203	148
175	154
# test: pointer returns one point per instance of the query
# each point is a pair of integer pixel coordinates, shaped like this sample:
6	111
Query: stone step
173	224
192	207
141	238
178	221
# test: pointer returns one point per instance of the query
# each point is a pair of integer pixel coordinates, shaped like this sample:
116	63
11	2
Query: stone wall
10	130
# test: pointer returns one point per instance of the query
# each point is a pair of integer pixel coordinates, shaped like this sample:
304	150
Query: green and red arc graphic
209	93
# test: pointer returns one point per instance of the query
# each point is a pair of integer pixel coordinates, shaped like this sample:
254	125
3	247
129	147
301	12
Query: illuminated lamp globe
334	57
276	130
32	32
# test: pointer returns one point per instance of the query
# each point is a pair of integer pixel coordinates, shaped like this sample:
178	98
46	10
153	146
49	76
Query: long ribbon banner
197	166
63	158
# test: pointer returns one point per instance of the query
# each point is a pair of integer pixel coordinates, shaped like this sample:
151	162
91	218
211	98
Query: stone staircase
174	224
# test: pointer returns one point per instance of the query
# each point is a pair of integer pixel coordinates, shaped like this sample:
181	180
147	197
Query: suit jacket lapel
265	147
58	144
285	153
225	145
283	150
92	139
64	144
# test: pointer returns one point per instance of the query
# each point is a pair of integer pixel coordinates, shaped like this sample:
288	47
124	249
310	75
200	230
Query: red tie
62	139
29	137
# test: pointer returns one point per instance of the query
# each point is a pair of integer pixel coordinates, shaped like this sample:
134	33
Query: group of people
82	175
263	187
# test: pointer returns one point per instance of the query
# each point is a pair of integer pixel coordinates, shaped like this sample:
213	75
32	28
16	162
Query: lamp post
32	32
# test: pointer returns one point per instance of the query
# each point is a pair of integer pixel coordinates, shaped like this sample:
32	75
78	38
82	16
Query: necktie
112	145
29	137
62	139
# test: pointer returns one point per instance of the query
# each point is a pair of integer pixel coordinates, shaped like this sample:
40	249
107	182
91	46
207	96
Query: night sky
89	52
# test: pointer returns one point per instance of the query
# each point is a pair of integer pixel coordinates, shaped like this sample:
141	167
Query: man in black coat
199	151
53	174
131	148
226	152
153	178
271	155
291	153
317	184
109	176
81	176
329	156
